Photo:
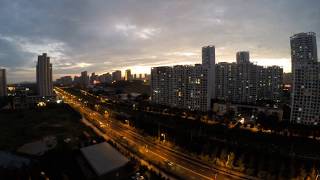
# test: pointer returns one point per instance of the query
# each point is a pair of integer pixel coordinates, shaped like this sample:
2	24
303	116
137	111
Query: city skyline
90	36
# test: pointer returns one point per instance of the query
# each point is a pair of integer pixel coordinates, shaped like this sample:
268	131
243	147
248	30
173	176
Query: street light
127	121
164	136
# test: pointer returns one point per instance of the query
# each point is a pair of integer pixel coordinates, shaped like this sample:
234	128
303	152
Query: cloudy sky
104	35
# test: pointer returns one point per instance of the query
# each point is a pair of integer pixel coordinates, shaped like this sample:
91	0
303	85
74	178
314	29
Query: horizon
100	37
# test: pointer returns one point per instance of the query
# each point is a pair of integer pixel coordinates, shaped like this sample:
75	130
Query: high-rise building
270	80
116	75
226	82
209	61
3	83
84	78
181	86
305	103
128	75
44	76
243	57
245	82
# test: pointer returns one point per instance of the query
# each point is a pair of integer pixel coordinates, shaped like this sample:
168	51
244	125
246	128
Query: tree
230	160
240	164
303	173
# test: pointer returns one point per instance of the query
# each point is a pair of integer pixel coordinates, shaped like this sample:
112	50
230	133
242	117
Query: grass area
24	126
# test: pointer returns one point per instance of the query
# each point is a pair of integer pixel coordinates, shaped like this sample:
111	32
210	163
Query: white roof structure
103	158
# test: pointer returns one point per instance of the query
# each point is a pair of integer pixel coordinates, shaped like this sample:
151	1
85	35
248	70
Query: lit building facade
105	78
305	103
182	86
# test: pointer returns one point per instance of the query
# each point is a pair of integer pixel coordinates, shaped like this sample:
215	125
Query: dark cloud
11	55
103	35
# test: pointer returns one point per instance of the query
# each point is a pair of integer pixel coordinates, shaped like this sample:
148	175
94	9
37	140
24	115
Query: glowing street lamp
41	104
164	137
127	121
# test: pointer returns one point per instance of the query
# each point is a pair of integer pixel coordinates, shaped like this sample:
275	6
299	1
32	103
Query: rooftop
103	158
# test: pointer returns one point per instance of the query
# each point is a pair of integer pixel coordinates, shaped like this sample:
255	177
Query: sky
105	35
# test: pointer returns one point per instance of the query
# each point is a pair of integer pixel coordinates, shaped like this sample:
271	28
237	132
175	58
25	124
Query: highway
159	153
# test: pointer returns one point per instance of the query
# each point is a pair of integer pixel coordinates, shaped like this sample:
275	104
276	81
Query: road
177	162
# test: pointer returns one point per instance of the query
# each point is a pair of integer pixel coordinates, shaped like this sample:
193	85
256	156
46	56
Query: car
169	163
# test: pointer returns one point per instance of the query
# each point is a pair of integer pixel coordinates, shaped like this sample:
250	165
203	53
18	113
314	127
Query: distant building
242	57
241	83
84	79
245	82
44	76
287	78
77	80
116	75
209	62
93	78
128	75
147	77
64	81
181	86
3	83
226	82
305	107
270	81
105	78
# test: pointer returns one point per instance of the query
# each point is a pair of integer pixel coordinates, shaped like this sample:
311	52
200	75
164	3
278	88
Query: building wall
128	75
208	62
305	101
180	86
116	75
65	80
226	82
3	83
84	79
44	76
247	82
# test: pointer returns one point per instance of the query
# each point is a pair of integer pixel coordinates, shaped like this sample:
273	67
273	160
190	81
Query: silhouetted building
84	79
65	81
243	57
44	76
105	78
94	78
116	75
3	83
